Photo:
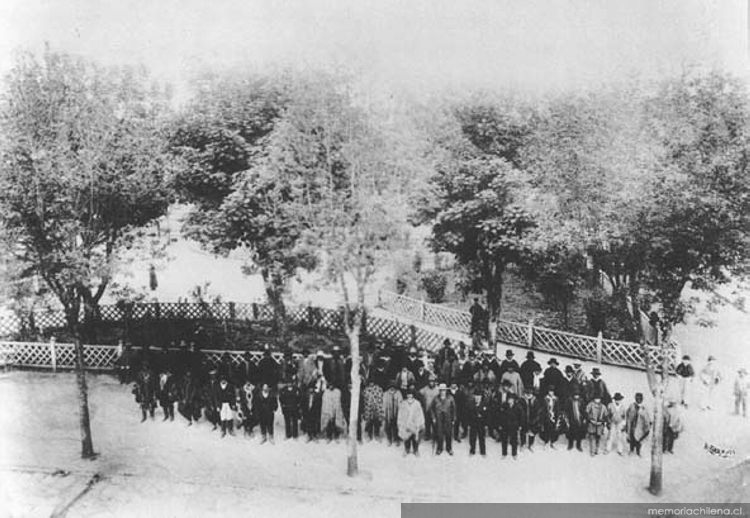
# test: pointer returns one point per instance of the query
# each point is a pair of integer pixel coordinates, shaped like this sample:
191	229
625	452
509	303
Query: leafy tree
239	200
434	283
475	217
83	163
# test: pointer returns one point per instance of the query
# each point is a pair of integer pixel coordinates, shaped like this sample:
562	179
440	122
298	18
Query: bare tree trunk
352	467
87	445
657	454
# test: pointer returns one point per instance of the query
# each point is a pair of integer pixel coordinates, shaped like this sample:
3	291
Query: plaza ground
169	469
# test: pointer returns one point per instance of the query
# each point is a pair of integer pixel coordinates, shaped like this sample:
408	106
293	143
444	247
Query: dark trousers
413	442
291	423
391	431
331	430
372	427
444	437
574	438
509	436
311	425
669	439
477	431
635	446
458	425
429	427
266	425
549	432
527	434
168	407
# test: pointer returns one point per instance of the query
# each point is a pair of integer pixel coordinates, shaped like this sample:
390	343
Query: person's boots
570	444
596	443
166	412
143	411
223	428
264	439
531	443
638	448
578	445
171	412
151	411
230	427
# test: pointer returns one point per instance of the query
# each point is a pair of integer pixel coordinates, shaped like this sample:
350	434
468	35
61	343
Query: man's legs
504	441
514	443
472	439
481	435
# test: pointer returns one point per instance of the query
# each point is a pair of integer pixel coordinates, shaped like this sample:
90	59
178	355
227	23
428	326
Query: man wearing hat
580	376
598	388
410	422
426	396
226	405
568	385
741	388
597	417
616	436
404	380
529	369
442	355
550	417
530	418
507	362
685	375
443	410
268	369
211	399
637	424
513	378
477	415
189	404
145	392
469	368
710	378
372	409
574	417
510	423
552	376
290	400
392	399
266	404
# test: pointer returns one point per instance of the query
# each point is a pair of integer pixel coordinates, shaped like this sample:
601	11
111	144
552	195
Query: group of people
408	396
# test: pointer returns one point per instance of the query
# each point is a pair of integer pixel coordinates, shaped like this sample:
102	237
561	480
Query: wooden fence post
599	347
422	311
530	334
255	311
53	353
413	330
232	311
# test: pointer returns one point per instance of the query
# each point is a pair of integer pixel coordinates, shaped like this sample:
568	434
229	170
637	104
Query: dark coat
265	407
211	394
597	387
505	365
268	372
226	395
477	414
334	371
575	427
311	407
290	399
443	414
530	418
552	376
511	417
527	370
145	389
190	393
168	391
248	371
468	370
449	373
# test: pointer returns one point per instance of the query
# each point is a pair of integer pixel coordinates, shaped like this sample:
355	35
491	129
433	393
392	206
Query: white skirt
226	413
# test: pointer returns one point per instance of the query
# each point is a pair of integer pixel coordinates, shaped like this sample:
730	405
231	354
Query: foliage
434	283
83	164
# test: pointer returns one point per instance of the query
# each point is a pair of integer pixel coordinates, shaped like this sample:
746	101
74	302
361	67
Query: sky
415	44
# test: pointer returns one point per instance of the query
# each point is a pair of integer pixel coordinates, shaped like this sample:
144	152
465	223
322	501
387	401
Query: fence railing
595	348
323	320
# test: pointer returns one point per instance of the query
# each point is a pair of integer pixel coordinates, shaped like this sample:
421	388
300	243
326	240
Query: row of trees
644	184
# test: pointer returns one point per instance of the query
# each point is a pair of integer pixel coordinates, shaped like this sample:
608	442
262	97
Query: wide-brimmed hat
442	386
530	355
686	357
553	361
509	352
596	372
618	396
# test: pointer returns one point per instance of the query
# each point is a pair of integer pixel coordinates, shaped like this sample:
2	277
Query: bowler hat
530	355
442	386
595	371
509	353
618	396
686	357
552	361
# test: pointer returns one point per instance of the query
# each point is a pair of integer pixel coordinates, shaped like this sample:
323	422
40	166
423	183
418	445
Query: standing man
513	378
510	423
550	415
638	424
145	392
391	401
528	369
372	409
331	413
226	405
477	413
741	387
616	437
311	411
404	379
443	412
529	418
290	400
685	375
458	396
553	377
507	363
710	378
478	327
266	405
268	370
426	396
189	404
167	393
598	388
335	370
575	420
597	416
410	423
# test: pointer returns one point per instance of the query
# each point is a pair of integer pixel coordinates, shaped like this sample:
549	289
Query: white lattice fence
447	318
513	333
